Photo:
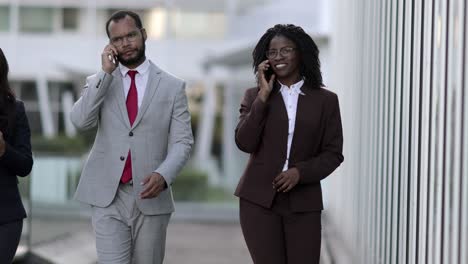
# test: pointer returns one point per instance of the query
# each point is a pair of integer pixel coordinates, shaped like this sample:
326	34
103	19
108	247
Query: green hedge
192	185
62	144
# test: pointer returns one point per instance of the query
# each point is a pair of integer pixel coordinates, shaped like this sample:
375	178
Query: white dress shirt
141	79
290	98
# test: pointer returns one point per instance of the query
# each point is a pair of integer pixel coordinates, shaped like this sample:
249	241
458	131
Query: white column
45	109
229	147
207	120
169	5
89	19
14	17
204	140
231	10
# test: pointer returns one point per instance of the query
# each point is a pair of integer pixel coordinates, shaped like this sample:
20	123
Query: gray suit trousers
124	235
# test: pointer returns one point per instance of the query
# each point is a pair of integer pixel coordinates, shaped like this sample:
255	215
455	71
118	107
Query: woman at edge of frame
15	160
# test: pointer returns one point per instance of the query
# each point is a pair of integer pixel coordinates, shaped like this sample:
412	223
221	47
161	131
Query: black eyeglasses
270	54
130	37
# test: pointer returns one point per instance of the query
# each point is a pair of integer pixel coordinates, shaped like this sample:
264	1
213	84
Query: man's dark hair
308	52
119	15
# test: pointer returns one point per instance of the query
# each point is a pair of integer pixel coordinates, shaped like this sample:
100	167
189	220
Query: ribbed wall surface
400	69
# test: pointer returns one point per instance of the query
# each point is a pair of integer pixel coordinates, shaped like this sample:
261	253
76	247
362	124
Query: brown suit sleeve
330	157
251	122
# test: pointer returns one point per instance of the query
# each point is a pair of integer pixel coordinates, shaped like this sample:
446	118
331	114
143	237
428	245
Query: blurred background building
401	196
53	45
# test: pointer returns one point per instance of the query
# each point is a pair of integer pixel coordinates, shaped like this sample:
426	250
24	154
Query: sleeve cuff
166	182
258	108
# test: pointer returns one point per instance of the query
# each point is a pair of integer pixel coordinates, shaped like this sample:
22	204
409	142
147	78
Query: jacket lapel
302	112
151	88
280	116
119	95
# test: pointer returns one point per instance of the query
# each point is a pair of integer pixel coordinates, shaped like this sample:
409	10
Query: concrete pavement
197	234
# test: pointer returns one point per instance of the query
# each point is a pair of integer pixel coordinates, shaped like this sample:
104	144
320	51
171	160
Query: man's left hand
154	185
286	180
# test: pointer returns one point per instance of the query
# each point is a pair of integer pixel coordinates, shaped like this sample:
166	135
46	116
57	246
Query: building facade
52	45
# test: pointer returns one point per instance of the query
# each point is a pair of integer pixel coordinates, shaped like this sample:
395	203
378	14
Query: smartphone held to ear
113	59
269	72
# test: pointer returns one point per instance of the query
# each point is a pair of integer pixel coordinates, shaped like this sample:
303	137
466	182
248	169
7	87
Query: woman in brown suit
291	127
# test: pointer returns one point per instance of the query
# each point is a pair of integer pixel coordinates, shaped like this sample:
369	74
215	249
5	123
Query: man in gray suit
143	140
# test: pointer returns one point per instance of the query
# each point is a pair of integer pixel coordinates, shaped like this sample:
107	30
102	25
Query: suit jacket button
122	158
130	134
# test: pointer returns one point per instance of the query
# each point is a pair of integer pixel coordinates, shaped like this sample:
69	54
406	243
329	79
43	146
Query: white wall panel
402	67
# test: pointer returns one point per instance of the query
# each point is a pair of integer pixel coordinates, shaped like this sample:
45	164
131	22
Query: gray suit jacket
160	139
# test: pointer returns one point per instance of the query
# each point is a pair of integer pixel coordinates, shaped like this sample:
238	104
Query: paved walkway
195	243
206	243
194	240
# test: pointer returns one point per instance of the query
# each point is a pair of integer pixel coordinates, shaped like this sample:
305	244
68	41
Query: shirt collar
296	88
142	69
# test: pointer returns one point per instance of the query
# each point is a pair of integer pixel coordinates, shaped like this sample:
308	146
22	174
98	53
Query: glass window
4	18
70	18
28	91
36	19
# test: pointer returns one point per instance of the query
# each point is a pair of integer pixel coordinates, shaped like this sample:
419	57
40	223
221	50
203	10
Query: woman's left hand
2	144
286	180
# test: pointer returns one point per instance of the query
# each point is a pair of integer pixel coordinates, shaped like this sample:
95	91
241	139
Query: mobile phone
113	59
269	72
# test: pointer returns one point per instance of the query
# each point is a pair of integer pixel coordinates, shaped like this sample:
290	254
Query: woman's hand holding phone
266	85
109	59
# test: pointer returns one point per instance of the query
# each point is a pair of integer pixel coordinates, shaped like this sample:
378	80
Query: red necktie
132	110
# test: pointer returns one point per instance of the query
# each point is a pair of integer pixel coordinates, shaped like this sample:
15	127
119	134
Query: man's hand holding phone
109	59
265	85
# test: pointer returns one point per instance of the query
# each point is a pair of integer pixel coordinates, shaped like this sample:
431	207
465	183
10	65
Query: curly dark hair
6	94
308	52
7	97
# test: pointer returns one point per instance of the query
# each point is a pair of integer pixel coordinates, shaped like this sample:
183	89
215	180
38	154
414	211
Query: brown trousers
279	236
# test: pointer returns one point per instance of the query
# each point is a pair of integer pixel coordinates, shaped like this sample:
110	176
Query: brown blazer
316	149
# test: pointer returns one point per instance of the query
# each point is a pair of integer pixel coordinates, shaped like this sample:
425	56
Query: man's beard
135	60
